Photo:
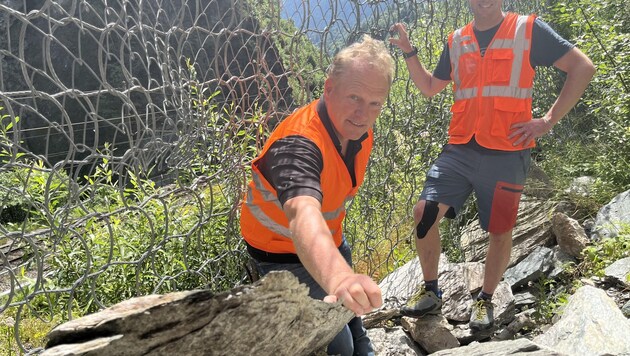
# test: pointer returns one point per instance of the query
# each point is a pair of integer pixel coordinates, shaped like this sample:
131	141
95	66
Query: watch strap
413	52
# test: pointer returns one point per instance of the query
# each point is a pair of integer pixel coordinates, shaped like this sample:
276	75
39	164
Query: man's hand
358	293
402	41
523	133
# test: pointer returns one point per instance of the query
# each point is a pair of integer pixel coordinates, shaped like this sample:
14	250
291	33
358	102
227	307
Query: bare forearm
322	260
320	256
424	81
315	247
580	71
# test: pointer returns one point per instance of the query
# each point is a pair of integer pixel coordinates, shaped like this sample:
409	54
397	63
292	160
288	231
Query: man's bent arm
580	71
425	81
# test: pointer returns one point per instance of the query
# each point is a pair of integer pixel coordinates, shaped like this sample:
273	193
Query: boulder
274	316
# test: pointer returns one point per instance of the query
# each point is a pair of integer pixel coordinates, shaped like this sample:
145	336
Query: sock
433	287
485	296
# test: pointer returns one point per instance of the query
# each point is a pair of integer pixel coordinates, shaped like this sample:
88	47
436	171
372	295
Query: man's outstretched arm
321	258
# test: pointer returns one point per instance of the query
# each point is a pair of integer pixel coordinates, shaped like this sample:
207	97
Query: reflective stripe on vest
268	222
260	215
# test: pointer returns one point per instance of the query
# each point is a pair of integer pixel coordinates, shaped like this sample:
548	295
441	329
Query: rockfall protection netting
128	126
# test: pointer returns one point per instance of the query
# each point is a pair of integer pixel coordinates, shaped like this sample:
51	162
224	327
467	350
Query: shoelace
416	296
482	310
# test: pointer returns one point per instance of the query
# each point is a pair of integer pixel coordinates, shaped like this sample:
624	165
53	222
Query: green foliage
305	63
129	237
552	295
210	139
29	188
172	242
563	163
603	253
7	145
602	121
31	329
549	301
26	320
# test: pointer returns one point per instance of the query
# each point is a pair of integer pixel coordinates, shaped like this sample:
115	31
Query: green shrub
603	253
175	239
550	298
29	189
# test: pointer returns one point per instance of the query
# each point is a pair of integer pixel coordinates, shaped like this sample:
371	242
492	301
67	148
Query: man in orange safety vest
491	63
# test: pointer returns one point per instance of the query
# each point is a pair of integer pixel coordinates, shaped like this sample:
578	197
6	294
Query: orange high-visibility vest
494	91
264	224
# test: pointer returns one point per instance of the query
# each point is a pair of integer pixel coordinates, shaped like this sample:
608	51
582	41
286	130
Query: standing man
311	166
491	63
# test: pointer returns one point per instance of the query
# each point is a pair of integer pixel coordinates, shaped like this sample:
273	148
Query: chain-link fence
128	126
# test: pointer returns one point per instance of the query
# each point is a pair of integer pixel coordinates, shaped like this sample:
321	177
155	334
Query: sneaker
482	316
422	303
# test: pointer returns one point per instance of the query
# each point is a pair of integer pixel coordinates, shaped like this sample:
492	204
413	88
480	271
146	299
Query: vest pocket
499	66
507	111
458	120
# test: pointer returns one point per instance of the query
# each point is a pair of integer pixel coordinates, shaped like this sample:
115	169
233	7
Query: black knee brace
429	215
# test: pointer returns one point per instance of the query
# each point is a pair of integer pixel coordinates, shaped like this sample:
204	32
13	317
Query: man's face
354	100
485	8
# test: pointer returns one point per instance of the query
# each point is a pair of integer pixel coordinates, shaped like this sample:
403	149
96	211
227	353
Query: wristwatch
413	52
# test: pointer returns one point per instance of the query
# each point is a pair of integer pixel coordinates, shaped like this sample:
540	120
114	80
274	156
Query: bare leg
429	247
497	260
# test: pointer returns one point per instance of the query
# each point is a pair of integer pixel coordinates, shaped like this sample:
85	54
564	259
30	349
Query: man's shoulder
300	118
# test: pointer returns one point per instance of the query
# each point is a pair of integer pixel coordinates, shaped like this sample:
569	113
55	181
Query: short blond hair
368	51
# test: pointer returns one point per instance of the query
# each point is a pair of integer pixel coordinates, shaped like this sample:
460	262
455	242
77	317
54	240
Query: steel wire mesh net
128	127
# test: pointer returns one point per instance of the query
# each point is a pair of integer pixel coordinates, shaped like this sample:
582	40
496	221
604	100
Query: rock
126	74
612	217
560	262
432	332
456	297
581	186
534	266
274	316
520	321
619	271
512	347
401	284
538	183
591	324
393	342
569	234
533	229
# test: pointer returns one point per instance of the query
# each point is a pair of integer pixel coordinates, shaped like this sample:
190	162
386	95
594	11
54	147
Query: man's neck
486	23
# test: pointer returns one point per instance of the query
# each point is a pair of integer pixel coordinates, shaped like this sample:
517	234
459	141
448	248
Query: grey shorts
496	177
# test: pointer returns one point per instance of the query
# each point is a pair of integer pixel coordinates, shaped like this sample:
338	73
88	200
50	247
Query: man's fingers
331	298
349	302
376	299
360	294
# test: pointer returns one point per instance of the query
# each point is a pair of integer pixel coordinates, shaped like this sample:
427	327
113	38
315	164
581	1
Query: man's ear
328	85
